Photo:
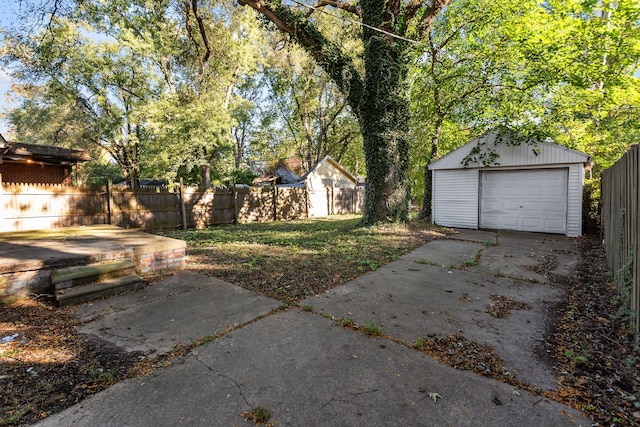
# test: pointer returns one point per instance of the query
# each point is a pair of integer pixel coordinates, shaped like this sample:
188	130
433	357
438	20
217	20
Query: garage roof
480	152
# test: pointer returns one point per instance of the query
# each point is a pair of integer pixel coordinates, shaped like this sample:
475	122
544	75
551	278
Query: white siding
318	202
455	198
328	173
574	201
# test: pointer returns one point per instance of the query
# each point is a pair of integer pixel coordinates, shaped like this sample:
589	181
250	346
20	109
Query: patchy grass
292	260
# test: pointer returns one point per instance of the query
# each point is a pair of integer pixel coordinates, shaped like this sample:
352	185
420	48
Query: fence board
620	186
35	206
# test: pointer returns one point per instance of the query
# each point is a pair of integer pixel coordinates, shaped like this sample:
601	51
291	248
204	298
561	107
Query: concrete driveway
306	369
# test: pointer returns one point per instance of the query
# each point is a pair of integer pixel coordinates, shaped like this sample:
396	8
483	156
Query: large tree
468	71
378	96
152	83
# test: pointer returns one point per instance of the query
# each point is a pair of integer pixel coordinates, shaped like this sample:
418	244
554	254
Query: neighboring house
520	189
329	173
39	164
282	173
327	186
331	189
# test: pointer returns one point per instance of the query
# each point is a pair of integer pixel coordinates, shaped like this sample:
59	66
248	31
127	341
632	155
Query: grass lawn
290	260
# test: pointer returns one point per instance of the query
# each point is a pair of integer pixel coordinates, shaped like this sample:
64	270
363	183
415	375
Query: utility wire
358	23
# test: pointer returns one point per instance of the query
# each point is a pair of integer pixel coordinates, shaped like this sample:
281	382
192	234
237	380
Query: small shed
324	184
491	183
329	173
39	164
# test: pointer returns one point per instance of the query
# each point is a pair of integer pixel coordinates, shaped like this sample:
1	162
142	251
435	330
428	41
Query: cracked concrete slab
307	370
446	253
183	307
517	254
411	301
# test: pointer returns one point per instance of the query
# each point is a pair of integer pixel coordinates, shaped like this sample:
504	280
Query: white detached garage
519	190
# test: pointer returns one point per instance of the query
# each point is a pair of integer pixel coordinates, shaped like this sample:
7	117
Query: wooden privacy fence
37	207
620	219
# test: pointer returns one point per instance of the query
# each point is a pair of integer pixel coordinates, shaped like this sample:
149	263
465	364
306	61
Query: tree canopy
196	89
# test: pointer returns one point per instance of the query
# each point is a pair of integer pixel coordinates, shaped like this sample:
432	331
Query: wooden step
93	291
69	277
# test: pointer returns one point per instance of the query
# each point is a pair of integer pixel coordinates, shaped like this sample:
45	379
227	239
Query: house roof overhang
47	154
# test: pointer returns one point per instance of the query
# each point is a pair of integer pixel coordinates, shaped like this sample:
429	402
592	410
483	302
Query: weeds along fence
620	219
37	207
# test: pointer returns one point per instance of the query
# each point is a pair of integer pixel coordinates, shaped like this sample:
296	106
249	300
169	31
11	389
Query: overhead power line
362	24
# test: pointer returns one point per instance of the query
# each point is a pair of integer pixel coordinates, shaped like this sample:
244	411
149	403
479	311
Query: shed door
524	200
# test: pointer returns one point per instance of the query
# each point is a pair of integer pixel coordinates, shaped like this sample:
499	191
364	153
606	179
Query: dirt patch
597	355
47	365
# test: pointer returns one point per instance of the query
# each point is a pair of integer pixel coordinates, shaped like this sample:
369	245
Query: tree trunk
380	101
425	211
206	176
384	117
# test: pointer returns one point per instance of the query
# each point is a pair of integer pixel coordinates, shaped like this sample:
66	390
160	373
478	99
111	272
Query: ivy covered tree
378	94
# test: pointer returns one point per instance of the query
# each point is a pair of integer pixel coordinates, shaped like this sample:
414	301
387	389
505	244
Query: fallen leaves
49	365
502	306
434	396
462	353
596	354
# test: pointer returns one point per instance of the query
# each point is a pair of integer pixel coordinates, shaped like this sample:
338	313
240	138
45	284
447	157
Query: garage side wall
455	198
574	200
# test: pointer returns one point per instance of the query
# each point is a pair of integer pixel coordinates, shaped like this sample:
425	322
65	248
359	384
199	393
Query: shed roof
527	153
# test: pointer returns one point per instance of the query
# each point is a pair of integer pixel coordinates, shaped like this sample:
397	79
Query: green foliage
96	173
425	261
155	94
377	96
314	116
347	322
591	206
565	70
242	176
258	414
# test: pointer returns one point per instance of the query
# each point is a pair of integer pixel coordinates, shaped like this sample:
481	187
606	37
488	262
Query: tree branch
431	13
328	55
351	8
203	33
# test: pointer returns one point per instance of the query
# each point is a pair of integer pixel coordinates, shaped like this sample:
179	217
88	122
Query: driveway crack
237	385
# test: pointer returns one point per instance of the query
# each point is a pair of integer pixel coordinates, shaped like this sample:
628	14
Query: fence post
275	201
353	200
333	199
1	202
306	199
109	200
183	209
234	194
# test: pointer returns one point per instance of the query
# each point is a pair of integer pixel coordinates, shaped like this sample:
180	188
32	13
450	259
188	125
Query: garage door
528	200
